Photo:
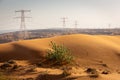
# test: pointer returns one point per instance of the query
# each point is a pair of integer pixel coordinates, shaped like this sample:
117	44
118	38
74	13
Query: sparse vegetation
59	54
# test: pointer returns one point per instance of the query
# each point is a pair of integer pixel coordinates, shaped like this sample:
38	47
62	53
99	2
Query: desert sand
97	51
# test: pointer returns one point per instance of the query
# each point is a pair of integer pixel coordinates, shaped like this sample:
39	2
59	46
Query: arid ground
96	57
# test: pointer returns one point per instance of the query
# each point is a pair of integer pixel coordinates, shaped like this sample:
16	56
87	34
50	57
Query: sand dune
88	49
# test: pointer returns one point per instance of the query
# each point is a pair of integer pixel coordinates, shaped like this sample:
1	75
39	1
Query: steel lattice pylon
23	31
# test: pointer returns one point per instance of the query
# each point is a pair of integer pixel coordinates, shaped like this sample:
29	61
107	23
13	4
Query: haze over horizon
48	13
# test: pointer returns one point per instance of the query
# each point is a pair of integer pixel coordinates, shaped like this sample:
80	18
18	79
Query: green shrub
59	54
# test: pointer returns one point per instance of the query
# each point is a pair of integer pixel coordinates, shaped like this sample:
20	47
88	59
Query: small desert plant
59	54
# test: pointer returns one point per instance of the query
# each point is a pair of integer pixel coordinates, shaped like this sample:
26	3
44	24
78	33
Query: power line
23	31
64	21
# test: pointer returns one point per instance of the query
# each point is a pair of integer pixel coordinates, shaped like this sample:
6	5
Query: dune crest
88	49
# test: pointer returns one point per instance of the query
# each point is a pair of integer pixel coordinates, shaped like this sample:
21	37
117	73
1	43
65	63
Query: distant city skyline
48	13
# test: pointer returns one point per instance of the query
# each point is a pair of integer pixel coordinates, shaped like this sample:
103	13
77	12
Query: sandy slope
91	50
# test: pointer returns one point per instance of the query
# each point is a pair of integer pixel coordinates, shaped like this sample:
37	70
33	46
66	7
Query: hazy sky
48	13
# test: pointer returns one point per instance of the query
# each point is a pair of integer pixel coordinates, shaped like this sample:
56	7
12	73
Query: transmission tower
76	24
109	26
23	31
64	22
